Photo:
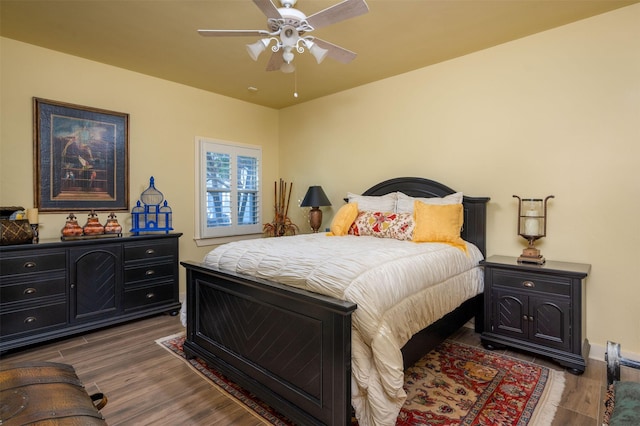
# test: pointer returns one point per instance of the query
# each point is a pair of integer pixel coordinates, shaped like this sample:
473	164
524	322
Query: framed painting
81	157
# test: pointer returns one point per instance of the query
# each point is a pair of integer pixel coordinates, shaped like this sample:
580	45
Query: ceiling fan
289	28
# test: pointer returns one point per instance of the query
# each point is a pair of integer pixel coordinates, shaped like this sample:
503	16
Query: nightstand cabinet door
509	313
542	319
549	320
536	308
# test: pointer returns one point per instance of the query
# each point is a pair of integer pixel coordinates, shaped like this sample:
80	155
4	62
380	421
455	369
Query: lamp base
315	218
531	255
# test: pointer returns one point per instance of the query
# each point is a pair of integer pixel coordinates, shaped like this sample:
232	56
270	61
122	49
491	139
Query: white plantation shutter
230	178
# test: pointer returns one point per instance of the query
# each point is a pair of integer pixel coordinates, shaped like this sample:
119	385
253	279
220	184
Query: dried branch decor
281	224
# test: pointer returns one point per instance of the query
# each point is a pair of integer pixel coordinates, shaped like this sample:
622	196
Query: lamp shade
255	49
318	52
315	197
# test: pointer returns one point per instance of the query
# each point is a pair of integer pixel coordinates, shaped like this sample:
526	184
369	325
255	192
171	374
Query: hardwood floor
144	384
147	385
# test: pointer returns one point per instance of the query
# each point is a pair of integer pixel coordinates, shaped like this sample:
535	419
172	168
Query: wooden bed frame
292	348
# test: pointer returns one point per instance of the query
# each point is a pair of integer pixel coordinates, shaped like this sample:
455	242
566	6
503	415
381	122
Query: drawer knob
150	251
29	265
29	290
29	320
529	284
150	295
149	272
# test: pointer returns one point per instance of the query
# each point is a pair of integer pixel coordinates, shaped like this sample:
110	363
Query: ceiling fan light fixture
287	56
318	52
287	68
255	49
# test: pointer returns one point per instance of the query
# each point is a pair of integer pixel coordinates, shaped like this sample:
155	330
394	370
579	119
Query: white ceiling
159	38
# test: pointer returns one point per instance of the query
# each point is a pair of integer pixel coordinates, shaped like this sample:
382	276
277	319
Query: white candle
32	216
531	224
531	227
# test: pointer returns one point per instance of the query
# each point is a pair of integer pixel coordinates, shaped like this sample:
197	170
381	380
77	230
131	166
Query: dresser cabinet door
95	276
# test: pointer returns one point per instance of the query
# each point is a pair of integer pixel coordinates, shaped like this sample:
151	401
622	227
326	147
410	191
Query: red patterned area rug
454	384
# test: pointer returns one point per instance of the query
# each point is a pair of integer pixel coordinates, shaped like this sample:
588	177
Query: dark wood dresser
537	308
59	288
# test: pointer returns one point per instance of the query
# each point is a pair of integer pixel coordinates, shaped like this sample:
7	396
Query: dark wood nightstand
537	308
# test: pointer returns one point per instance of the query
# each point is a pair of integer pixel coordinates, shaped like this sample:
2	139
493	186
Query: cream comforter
400	287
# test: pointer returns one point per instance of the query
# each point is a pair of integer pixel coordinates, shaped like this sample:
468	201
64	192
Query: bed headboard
474	229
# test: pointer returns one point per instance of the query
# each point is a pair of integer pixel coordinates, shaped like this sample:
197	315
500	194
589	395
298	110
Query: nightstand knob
529	284
150	251
149	272
29	290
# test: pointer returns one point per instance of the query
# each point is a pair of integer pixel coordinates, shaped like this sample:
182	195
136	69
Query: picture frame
81	157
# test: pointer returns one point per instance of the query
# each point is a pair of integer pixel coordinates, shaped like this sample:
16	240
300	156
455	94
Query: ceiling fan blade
336	13
232	33
338	53
275	61
268	8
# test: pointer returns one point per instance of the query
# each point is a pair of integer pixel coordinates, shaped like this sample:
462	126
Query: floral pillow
383	225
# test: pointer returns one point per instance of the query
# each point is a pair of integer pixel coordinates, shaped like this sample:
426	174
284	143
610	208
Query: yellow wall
165	118
555	113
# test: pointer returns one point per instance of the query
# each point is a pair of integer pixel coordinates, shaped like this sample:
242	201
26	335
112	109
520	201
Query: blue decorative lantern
152	215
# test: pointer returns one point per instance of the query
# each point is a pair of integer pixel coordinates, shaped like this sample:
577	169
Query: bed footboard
291	348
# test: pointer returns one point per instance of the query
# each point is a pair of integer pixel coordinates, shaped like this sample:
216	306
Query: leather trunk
46	393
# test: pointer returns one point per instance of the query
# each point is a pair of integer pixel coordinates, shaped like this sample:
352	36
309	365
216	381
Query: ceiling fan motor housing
290	16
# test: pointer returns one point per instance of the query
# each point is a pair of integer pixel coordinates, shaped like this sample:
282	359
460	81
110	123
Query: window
229	189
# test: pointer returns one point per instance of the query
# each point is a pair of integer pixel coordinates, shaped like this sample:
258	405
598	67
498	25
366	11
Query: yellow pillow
343	219
439	224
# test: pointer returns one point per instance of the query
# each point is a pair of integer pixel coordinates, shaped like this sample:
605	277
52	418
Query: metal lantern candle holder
532	225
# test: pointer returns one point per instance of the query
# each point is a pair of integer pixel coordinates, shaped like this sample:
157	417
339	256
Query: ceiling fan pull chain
295	84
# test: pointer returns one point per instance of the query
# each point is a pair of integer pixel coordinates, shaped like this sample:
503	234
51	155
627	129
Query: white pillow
366	203
405	202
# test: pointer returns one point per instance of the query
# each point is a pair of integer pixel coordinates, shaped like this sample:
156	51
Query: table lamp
314	198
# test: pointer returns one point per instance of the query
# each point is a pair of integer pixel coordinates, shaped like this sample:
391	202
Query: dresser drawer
148	250
31	290
26	263
26	320
148	272
533	282
146	296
